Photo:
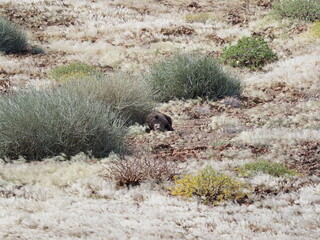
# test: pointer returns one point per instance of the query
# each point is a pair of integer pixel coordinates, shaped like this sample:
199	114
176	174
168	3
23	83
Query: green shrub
252	52
211	187
131	96
273	169
191	76
12	39
308	10
73	71
38	124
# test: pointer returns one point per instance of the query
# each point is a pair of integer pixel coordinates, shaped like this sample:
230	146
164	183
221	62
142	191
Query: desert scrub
132	171
197	17
12	39
191	76
308	10
273	169
209	186
129	95
73	71
38	124
252	52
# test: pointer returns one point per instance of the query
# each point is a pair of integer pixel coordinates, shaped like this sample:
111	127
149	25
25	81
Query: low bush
38	124
191	76
73	71
133	171
252	52
12	39
308	10
273	169
210	187
131	96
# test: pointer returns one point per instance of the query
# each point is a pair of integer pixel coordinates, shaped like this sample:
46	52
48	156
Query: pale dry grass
225	123
90	208
121	33
57	199
302	72
303	115
266	136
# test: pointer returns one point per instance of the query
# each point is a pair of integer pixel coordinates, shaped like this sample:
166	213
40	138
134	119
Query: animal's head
159	124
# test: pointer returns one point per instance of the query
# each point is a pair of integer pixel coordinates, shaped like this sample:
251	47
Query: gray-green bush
308	10
38	124
12	39
129	95
191	76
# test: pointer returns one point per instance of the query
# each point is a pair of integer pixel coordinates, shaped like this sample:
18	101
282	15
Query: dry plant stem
132	171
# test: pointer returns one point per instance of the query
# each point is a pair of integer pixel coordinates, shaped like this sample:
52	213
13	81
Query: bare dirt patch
306	158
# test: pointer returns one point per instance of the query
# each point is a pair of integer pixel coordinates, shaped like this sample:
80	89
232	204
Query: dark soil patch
306	158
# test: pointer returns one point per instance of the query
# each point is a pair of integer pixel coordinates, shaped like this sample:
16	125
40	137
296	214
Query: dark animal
159	122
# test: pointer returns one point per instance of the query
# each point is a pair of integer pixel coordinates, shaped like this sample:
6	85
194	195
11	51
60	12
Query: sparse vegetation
37	50
315	29
276	118
273	169
73	71
131	96
40	124
308	10
209	186
252	52
191	76
12	39
197	17
133	171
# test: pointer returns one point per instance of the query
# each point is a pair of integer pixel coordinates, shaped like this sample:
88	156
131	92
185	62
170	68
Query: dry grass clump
225	123
300	9
198	17
55	172
73	71
12	39
277	136
133	171
191	76
129	95
315	29
38	124
301	72
209	186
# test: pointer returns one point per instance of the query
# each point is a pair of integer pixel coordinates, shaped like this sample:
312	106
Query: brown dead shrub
132	171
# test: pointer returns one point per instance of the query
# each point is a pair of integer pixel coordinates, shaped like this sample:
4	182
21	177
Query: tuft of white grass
225	123
302	72
266	136
138	213
70	200
233	33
